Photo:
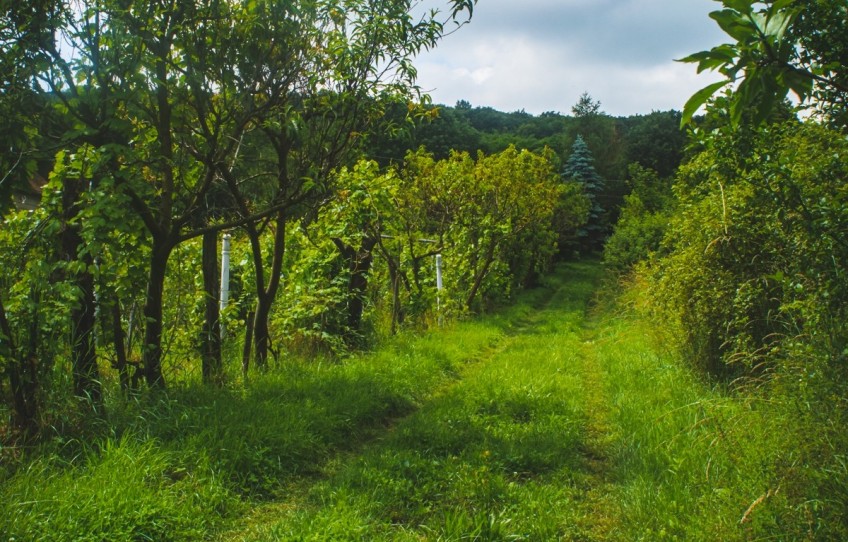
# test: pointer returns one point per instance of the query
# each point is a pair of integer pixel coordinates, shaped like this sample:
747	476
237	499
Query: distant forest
653	140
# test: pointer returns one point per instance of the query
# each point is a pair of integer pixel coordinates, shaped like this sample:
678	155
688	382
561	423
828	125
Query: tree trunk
265	297
248	343
397	315
118	337
86	377
359	263
259	278
358	284
261	333
24	406
86	374
212	366
481	274
152	355
395	275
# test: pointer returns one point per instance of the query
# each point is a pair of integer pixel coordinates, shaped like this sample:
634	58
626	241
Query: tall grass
180	466
126	490
537	423
691	461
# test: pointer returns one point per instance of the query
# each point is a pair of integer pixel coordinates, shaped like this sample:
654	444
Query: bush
756	264
642	222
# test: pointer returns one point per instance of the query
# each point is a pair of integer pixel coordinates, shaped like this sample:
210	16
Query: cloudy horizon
541	55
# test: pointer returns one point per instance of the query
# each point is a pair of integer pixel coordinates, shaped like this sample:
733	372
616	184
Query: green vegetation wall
755	274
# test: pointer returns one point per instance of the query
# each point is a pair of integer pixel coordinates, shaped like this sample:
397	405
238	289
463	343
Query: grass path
563	426
510	448
550	420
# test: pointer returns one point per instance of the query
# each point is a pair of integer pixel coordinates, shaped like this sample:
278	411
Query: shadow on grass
499	455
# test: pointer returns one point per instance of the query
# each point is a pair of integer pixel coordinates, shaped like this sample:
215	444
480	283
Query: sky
541	55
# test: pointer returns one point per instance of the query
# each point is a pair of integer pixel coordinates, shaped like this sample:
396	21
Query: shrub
756	263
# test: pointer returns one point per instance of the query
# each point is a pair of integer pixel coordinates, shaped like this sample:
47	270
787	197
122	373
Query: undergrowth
538	423
179	466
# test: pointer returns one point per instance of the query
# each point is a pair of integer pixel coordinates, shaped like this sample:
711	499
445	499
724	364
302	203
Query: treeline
653	140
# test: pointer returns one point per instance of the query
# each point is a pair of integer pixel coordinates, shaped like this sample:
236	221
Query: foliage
779	46
642	223
586	106
494	218
656	141
23	31
753	271
579	168
821	32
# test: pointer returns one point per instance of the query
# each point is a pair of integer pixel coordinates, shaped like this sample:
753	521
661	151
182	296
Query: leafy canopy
777	48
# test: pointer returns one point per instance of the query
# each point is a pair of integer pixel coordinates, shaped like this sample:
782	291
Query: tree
586	106
185	82
579	168
355	221
332	82
655	141
65	112
780	46
23	32
639	230
493	217
603	135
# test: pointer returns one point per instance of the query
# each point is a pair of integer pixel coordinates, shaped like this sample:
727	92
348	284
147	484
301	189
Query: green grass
548	421
127	490
500	453
691	462
227	447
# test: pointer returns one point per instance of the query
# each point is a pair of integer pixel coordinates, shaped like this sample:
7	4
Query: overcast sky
541	55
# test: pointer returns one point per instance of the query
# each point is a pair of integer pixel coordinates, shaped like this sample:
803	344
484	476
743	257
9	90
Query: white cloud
540	55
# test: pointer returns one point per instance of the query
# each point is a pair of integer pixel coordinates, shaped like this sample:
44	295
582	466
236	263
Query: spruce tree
579	168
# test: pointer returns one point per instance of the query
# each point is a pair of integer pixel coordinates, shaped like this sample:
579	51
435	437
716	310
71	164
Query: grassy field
552	420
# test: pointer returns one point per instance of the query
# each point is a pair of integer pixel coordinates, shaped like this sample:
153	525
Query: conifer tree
579	168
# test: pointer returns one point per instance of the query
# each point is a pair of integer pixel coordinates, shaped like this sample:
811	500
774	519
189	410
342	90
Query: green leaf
742	6
714	58
777	25
779	5
798	83
734	25
698	99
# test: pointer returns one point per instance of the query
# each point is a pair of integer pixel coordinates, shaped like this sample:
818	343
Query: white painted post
225	271
439	287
